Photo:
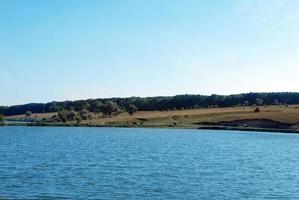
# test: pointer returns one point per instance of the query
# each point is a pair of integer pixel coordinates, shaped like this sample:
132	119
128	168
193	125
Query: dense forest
179	102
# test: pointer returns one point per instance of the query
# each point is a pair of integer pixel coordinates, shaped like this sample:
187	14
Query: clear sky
66	50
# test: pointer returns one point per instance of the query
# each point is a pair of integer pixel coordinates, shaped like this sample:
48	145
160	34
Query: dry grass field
189	118
36	116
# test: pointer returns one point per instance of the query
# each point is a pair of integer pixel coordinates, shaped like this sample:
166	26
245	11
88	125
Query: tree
28	114
276	102
109	108
2	120
83	114
246	103
84	105
159	103
53	107
62	115
259	101
71	115
78	119
96	106
132	109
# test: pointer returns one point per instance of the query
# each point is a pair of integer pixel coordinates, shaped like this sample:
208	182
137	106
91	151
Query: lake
119	163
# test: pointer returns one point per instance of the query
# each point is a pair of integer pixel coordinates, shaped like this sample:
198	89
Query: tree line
114	105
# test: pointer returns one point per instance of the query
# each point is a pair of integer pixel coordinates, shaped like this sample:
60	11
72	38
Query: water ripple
107	163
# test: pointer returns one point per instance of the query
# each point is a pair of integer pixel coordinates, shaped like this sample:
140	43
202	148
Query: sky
67	50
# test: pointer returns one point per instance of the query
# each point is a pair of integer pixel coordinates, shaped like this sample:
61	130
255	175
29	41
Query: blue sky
66	50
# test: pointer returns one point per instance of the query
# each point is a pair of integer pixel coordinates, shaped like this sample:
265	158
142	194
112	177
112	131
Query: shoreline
225	128
269	119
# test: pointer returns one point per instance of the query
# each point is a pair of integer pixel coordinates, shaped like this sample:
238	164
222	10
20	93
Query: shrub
276	102
90	116
2	123
110	107
78	119
257	109
28	114
132	109
246	103
71	115
62	115
96	106
259	101
84	116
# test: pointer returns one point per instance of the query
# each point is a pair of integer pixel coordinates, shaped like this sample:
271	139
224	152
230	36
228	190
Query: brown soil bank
270	118
253	123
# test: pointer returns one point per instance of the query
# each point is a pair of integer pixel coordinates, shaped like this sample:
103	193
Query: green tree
2	123
84	105
71	115
246	103
96	106
132	109
109	108
259	101
28	114
84	114
276	102
78	119
53	107
62	115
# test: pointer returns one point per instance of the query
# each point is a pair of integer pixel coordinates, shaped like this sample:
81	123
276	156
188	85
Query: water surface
111	163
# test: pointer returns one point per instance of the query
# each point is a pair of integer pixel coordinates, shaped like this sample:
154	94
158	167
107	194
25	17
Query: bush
84	112
259	101
2	123
84	116
257	109
71	115
90	116
62	115
132	109
28	114
78	119
276	102
96	106
246	103
110	107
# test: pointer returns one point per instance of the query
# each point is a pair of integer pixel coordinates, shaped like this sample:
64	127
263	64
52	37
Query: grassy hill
269	117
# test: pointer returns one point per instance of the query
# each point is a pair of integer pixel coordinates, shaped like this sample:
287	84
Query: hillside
269	117
177	102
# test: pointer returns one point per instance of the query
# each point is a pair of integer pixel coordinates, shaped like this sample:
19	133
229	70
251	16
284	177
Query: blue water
109	163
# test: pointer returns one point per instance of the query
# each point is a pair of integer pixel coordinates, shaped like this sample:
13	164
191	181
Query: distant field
37	116
190	118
